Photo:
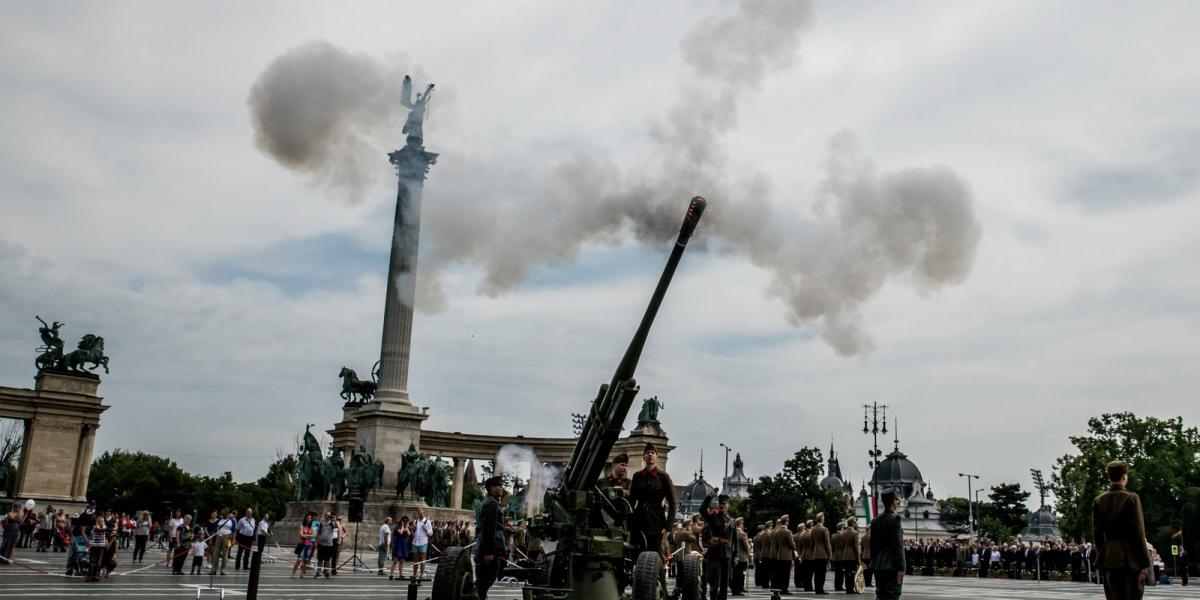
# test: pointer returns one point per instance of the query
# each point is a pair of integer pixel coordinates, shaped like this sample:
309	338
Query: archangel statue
416	115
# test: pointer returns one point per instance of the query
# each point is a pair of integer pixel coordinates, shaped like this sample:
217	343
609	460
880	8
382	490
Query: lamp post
873	413
977	519
970	507
725	480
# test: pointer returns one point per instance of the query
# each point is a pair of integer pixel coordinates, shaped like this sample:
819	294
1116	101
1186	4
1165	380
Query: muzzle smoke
864	229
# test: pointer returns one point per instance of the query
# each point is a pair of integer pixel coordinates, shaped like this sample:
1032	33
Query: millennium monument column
388	424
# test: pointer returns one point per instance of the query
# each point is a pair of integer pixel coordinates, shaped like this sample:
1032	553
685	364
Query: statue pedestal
387	428
378	508
650	432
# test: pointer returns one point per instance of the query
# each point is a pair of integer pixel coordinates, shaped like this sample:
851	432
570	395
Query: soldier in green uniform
618	477
1120	535
822	552
805	548
887	550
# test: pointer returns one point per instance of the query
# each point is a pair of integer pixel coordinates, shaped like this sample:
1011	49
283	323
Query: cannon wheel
647	573
691	577
453	579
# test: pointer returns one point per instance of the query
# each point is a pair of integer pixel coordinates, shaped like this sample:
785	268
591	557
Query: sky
137	203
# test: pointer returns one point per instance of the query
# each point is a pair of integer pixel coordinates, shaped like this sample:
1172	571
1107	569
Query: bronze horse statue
91	350
353	386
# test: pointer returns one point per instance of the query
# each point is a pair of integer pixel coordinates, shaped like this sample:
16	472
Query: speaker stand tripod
356	563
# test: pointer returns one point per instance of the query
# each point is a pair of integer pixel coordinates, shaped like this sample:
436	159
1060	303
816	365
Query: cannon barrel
612	404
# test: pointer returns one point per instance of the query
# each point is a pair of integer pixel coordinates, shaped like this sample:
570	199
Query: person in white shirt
198	550
243	539
172	534
422	530
220	542
385	543
263	531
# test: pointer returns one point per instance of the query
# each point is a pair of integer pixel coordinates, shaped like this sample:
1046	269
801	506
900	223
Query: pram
78	561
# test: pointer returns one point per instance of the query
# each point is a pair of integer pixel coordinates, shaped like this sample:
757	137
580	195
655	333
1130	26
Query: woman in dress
400	539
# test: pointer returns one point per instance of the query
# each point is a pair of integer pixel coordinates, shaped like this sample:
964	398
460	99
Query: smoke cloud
521	460
864	228
325	112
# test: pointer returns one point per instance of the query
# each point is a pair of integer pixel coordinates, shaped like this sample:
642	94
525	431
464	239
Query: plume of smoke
866	227
513	460
325	112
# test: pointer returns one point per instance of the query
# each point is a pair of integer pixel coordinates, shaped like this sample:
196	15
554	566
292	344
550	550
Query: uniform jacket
838	542
887	543
798	543
806	546
822	549
491	532
768	545
720	533
784	547
653	497
743	547
864	546
1119	530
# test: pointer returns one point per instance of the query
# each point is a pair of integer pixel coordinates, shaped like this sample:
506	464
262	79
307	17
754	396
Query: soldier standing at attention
864	548
887	550
652	494
822	552
785	553
767	562
737	583
806	555
1120	535
839	556
490	535
798	564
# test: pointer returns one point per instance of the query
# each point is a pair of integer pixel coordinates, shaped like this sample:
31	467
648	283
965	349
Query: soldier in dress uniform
491	549
759	569
806	556
719	539
785	552
652	494
738	583
1120	534
838	542
618	476
887	550
768	554
822	551
798	564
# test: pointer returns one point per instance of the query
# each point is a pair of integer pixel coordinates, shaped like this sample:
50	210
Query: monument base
287	530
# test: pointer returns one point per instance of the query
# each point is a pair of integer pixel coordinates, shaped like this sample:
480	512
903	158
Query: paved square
276	583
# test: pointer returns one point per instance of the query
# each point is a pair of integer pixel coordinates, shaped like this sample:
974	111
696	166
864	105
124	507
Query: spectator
326	536
141	535
304	549
245	537
400	538
182	537
385	543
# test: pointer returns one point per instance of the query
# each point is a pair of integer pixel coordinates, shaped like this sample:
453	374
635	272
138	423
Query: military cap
649	447
722	499
621	459
491	481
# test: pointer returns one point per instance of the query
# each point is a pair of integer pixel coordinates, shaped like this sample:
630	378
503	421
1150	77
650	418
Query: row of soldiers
804	555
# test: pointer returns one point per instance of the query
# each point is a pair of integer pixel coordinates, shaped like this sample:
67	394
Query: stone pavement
26	581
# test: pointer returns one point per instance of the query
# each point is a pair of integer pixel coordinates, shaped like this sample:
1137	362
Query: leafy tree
132	481
1008	510
956	513
12	439
1164	469
794	491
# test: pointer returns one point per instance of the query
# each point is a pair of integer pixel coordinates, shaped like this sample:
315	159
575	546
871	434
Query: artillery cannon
589	560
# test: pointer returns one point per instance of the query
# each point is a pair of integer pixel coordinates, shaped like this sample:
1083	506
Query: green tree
1008	510
132	481
1164	469
794	491
956	513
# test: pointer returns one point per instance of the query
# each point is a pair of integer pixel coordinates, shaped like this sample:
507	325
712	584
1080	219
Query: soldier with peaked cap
822	552
806	556
798	563
490	535
737	583
767	562
838	542
1120	534
719	539
887	550
785	552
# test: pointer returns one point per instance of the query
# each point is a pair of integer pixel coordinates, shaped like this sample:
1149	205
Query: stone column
412	163
83	467
456	489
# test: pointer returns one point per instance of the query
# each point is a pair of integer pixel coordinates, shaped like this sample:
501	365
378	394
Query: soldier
864	553
617	478
652	494
758	557
887	550
806	556
822	552
838	542
720	546
768	554
798	563
738	582
490	551
1120	534
785	553
853	556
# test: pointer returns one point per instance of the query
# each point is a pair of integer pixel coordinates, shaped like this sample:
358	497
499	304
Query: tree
1164	470
132	481
1007	510
794	491
12	439
956	513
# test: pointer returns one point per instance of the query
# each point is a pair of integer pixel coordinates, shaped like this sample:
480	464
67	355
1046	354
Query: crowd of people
93	539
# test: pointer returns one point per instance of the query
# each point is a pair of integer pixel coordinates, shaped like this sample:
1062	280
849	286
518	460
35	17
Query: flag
868	508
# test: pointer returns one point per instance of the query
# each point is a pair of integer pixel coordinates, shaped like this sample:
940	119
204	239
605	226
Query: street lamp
873	413
970	507
977	519
725	480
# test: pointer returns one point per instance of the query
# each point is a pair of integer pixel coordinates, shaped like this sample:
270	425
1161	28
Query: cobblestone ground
39	575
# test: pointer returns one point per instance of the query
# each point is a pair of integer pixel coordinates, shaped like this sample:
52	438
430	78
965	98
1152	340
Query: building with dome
737	485
692	495
1043	524
833	476
920	509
